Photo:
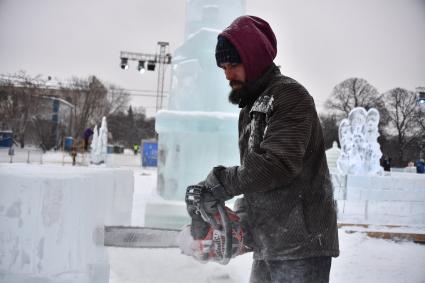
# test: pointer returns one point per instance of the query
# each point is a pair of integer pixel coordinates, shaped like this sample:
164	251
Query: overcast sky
320	43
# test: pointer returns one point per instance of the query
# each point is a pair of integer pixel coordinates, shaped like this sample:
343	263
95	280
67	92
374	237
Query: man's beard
238	90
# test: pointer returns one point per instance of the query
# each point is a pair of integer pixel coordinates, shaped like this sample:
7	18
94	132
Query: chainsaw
224	239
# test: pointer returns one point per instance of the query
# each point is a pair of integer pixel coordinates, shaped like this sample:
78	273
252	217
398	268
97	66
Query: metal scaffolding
151	60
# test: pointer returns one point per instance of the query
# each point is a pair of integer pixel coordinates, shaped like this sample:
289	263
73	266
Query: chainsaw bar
140	237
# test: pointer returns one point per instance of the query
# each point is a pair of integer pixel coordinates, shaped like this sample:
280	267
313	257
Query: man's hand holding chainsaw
211	193
216	230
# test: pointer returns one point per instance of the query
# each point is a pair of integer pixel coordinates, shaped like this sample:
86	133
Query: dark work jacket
284	174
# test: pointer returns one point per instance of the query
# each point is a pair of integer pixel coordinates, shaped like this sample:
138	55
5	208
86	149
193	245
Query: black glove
214	187
198	228
209	192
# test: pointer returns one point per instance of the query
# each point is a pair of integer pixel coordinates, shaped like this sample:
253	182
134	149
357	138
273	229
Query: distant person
74	154
87	134
386	163
43	147
420	166
283	176
136	148
11	150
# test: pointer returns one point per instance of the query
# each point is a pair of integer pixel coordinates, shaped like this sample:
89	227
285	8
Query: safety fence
37	156
15	155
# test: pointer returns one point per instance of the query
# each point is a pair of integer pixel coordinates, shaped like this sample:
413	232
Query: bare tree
402	118
117	99
20	102
131	126
88	97
92	100
420	122
26	108
7	103
355	92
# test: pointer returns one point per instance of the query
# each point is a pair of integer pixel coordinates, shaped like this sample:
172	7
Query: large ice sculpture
360	151
199	129
99	143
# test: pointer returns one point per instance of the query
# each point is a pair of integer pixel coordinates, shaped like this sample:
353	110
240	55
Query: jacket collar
254	89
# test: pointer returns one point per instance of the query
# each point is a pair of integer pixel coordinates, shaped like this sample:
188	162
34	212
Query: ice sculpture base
190	144
395	199
52	218
166	214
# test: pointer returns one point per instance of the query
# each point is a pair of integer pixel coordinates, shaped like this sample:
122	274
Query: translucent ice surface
199	129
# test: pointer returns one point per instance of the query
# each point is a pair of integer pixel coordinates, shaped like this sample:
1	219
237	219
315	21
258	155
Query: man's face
235	74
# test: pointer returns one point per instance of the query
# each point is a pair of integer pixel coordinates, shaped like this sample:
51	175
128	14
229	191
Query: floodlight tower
421	103
150	60
162	59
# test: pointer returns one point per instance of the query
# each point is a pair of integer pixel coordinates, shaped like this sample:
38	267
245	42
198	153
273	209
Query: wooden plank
388	232
395	236
341	225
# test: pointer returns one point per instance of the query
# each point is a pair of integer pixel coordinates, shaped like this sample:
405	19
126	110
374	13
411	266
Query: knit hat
225	52
255	43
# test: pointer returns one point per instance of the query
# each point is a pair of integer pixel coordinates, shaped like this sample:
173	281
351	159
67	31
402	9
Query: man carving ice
287	205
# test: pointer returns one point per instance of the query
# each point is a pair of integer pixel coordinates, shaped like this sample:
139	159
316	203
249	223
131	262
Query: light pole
421	112
149	61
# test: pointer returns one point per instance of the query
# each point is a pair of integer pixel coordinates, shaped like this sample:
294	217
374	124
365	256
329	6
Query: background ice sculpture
99	145
360	150
199	129
372	151
93	145
346	142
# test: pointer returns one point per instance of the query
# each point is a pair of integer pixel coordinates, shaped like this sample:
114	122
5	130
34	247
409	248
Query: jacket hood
255	42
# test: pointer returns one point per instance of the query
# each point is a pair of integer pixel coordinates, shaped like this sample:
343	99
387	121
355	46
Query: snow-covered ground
362	259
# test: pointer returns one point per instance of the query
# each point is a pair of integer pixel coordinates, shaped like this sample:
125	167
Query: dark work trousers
308	270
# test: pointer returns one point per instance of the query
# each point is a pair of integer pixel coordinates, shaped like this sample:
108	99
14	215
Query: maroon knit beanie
255	42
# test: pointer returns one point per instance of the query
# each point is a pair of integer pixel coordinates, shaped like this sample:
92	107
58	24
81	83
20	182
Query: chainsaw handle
207	217
227	229
195	202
